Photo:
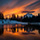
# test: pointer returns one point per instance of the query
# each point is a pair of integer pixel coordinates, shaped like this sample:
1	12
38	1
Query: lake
19	32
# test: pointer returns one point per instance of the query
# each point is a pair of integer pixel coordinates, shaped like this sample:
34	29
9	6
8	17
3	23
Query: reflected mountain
31	28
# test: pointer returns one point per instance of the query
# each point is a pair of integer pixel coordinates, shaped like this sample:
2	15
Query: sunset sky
17	6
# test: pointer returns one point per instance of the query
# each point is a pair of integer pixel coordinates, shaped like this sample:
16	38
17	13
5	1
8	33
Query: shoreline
3	22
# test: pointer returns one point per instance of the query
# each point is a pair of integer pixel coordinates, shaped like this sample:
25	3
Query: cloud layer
17	6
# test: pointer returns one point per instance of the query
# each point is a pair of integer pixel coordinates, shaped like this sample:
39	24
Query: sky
17	6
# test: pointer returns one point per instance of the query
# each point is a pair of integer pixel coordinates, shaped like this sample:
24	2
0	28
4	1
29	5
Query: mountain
28	15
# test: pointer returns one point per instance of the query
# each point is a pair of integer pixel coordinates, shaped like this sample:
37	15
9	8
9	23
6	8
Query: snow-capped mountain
28	15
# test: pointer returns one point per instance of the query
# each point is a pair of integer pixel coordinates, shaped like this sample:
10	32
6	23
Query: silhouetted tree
13	17
1	15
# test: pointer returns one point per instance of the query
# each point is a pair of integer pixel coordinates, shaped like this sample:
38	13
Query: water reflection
19	29
1	29
30	28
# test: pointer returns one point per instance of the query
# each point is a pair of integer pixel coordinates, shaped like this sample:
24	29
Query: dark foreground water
19	32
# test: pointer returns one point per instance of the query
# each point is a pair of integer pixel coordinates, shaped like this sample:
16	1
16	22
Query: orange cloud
7	9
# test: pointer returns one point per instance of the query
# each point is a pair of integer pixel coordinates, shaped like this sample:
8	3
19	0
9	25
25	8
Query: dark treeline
26	19
23	19
33	19
14	18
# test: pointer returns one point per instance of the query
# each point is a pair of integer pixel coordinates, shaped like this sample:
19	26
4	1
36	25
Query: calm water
19	32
